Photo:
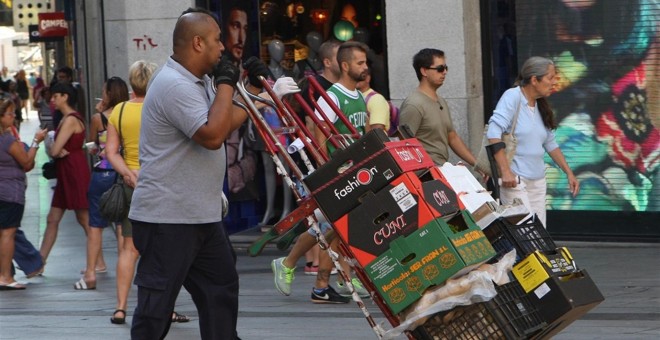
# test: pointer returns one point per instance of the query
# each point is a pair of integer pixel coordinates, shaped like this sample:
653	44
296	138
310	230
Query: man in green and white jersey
352	60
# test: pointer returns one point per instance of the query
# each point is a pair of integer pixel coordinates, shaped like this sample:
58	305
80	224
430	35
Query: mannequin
312	64
276	52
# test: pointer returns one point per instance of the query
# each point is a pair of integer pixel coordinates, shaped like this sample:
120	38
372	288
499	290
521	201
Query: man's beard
357	77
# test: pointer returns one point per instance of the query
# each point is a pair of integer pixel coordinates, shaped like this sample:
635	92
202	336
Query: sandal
84	285
19	286
98	270
37	272
180	318
116	320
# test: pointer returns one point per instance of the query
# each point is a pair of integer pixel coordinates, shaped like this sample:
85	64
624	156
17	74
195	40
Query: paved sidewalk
627	274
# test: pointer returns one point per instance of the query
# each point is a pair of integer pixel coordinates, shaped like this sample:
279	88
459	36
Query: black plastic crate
509	315
530	235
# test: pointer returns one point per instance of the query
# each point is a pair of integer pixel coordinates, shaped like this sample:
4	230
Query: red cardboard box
396	210
366	165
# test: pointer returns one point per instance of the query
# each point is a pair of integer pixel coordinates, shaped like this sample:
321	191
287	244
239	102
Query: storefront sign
36	37
53	25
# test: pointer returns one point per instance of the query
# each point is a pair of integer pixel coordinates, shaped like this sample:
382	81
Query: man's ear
341	66
422	70
197	43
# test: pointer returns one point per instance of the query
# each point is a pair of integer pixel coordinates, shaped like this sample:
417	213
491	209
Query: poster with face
240	29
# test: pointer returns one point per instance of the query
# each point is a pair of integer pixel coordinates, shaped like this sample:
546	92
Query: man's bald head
192	22
197	46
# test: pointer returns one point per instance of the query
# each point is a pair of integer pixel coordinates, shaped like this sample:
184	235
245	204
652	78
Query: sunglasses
440	68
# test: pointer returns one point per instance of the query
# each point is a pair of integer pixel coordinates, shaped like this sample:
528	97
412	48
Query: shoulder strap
104	123
104	120
515	115
366	99
78	117
121	137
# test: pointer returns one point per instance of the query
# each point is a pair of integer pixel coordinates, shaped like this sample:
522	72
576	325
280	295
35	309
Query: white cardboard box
475	198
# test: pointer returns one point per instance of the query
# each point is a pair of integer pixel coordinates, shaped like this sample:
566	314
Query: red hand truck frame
294	127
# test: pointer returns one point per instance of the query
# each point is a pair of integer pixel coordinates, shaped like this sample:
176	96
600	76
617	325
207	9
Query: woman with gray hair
524	177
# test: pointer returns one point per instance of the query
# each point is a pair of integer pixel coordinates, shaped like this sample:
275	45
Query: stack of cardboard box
399	218
411	225
553	285
556	287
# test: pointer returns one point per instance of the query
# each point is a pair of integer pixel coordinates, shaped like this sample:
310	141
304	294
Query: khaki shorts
126	225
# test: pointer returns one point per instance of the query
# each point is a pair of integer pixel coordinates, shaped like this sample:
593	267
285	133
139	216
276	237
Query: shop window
302	25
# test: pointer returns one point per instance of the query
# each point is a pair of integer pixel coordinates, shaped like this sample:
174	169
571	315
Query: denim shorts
323	223
101	182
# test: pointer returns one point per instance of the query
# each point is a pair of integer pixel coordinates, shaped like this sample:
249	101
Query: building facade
607	104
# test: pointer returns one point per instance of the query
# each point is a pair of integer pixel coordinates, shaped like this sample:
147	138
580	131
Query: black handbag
114	204
48	170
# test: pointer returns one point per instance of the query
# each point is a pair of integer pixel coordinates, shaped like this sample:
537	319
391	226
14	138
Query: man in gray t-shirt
176	206
427	114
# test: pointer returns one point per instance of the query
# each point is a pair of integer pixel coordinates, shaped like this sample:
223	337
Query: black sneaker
328	295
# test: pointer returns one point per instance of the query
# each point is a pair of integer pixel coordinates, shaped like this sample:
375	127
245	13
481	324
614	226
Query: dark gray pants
197	256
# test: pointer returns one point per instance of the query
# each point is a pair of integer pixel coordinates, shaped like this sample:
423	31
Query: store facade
484	42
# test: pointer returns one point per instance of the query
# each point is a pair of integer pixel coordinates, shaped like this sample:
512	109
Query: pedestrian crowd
166	143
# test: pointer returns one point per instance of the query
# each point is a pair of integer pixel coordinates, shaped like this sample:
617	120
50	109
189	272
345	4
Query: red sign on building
53	25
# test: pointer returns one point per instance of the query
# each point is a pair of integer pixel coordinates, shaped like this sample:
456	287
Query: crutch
491	150
276	147
405	132
316	87
331	133
291	124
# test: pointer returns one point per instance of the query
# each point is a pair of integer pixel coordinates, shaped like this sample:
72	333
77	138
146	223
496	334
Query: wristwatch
35	144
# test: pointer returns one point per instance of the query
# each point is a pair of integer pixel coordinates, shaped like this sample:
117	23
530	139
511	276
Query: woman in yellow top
124	131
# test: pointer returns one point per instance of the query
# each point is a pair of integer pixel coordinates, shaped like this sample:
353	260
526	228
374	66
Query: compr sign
53	25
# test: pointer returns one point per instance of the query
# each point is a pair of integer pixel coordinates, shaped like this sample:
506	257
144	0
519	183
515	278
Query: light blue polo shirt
534	139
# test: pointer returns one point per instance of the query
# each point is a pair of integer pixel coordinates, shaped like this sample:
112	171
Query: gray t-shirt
431	123
12	175
180	181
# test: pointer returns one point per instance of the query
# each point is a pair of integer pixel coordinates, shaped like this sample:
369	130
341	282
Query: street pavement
626	273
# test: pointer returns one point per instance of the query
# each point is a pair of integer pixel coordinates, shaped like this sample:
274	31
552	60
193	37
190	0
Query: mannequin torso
276	52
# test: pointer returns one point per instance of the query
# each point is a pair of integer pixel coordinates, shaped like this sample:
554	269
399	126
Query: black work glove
255	68
225	72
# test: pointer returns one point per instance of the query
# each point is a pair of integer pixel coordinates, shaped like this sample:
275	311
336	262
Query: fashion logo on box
410	153
363	176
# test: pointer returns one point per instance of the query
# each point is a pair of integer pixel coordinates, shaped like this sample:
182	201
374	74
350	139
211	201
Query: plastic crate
509	315
530	235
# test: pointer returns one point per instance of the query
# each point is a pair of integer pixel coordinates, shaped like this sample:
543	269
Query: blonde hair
139	75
